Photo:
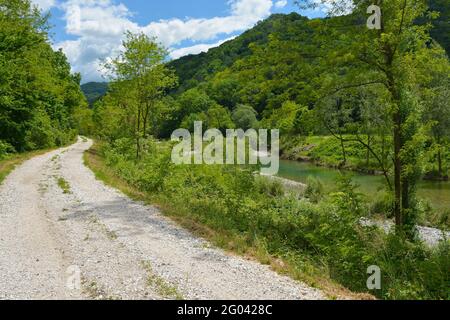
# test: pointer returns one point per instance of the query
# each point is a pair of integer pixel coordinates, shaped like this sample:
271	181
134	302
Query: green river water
437	193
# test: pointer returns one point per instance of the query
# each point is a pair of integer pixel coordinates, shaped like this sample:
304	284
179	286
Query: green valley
361	117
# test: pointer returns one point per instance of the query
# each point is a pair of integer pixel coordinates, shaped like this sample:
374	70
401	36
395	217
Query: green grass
164	288
64	185
9	164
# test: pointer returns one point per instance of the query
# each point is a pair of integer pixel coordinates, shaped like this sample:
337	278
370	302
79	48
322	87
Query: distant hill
193	70
94	91
441	30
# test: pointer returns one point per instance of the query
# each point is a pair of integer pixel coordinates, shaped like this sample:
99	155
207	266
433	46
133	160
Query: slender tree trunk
439	155
146	115
145	127
344	153
397	169
398	143
369	140
138	134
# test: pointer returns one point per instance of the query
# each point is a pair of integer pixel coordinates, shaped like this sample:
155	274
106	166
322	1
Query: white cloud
333	7
178	53
99	26
44	4
281	4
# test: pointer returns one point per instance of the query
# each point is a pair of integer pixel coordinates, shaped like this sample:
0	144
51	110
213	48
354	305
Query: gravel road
51	235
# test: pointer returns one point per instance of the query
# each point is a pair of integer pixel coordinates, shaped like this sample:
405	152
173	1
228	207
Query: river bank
434	195
326	152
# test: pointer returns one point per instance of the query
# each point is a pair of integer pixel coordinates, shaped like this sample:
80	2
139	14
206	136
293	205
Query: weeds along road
56	219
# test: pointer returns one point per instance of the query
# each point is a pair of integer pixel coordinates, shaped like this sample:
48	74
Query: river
437	193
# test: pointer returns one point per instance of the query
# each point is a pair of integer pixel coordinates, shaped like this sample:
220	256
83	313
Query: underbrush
318	239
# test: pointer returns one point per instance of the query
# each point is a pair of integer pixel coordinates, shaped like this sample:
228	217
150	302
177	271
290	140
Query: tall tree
140	72
392	59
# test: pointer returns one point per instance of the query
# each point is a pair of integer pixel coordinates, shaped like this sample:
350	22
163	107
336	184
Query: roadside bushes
247	213
383	204
5	149
413	271
314	190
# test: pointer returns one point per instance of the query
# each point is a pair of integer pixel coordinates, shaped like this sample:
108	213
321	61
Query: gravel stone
119	245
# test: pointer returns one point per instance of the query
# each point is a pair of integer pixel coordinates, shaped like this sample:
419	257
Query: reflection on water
437	193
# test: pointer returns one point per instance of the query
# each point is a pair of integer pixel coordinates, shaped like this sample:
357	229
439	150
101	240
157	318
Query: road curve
121	248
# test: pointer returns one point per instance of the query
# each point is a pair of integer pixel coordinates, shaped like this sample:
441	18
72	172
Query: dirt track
123	249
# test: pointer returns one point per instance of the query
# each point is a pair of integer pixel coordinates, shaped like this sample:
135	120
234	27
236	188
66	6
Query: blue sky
90	31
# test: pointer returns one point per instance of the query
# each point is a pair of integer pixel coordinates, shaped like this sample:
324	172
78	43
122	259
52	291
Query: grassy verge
296	266
8	165
11	162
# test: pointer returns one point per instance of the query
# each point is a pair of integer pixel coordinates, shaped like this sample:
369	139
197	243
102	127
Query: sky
91	31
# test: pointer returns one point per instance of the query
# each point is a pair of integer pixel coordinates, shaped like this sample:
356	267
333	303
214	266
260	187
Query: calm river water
437	193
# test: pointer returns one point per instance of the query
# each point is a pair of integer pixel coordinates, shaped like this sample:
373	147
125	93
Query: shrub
268	187
383	204
5	149
40	133
314	190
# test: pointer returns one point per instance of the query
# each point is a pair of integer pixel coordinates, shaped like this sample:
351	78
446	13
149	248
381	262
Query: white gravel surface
124	249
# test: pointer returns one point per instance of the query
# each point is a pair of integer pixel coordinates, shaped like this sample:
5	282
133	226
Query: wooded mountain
441	30
94	91
194	69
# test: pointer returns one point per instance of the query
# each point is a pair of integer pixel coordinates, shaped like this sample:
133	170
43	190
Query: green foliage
5	149
194	101
383	205
231	200
270	188
418	272
140	81
40	133
83	119
314	190
283	118
93	91
38	94
219	118
244	117
64	185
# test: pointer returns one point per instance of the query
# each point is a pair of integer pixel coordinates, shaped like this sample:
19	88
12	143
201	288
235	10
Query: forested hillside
94	91
442	23
341	94
38	93
193	69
